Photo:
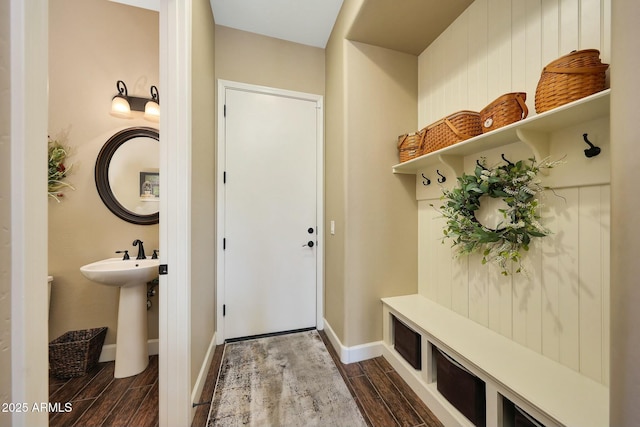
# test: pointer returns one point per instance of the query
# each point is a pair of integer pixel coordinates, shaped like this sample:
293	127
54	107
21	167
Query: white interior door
270	223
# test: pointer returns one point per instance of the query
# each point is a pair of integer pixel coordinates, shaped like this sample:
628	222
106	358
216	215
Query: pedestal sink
131	276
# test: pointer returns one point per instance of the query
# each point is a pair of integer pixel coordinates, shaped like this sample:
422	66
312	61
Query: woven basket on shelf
454	128
507	109
410	145
569	78
75	352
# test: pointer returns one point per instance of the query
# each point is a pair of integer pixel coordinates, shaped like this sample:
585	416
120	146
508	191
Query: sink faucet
141	254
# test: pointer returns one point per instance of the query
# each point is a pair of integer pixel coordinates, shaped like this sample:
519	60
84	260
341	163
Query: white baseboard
108	353
202	375
355	353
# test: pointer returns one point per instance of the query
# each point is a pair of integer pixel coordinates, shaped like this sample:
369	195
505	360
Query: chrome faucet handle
126	254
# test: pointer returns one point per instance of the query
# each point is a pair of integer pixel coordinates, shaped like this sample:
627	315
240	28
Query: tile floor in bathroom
98	399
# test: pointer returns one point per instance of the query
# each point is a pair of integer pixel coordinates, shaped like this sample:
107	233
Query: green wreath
518	185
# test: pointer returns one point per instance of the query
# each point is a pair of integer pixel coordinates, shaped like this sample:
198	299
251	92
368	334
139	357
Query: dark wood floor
384	399
98	399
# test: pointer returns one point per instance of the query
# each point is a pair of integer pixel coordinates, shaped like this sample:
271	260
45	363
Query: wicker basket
410	145
569	78
75	352
453	128
507	109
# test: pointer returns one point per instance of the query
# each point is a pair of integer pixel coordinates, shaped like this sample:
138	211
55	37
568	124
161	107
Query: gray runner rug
281	381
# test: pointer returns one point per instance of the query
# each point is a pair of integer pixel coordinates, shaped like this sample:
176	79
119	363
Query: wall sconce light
122	104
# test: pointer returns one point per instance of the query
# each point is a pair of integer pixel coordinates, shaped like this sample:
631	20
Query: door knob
309	243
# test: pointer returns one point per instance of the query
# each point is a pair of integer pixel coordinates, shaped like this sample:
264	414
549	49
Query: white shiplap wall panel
590	23
533	49
500	303
499	47
569	25
519	51
560	308
477	62
550	24
567	237
605	218
590	282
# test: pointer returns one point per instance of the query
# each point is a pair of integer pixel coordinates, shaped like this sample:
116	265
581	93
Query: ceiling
302	21
403	25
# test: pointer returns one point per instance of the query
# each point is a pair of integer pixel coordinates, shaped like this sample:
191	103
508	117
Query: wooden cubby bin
408	343
514	416
465	391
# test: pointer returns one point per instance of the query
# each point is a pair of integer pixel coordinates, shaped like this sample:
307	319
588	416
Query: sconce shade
120	108
152	107
152	111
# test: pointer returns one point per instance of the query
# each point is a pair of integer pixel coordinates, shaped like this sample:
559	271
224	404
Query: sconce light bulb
152	111
120	108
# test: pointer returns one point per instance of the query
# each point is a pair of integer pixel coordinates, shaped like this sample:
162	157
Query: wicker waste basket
75	352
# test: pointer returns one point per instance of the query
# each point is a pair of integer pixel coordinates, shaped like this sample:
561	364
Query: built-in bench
553	394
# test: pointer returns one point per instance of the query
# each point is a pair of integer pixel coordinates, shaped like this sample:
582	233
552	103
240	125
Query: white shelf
533	131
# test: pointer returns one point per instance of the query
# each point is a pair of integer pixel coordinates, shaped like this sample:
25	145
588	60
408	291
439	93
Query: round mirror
127	172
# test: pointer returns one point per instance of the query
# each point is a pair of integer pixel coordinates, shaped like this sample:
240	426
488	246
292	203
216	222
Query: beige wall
381	210
625	172
334	297
5	213
371	99
252	58
203	237
92	44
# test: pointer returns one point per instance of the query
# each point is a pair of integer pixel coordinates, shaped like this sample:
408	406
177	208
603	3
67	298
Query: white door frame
175	218
220	156
29	121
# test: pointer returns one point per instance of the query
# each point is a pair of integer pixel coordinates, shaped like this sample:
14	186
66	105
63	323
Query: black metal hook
505	159
592	151
480	165
442	177
426	181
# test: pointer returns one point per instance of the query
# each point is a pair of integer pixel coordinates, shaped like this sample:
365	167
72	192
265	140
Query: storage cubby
408	343
470	375
515	416
465	391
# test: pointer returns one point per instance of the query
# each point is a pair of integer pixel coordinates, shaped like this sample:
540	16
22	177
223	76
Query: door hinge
224	112
224	177
224	244
224	310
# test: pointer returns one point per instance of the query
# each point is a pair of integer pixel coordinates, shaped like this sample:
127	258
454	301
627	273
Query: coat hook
425	181
505	159
592	151
442	177
480	165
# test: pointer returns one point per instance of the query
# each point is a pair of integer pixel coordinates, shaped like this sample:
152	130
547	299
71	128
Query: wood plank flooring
98	399
383	397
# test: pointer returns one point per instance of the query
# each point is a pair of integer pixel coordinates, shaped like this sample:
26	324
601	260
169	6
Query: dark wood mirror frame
102	174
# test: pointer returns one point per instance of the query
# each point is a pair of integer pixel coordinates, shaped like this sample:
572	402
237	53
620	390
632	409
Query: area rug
286	381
